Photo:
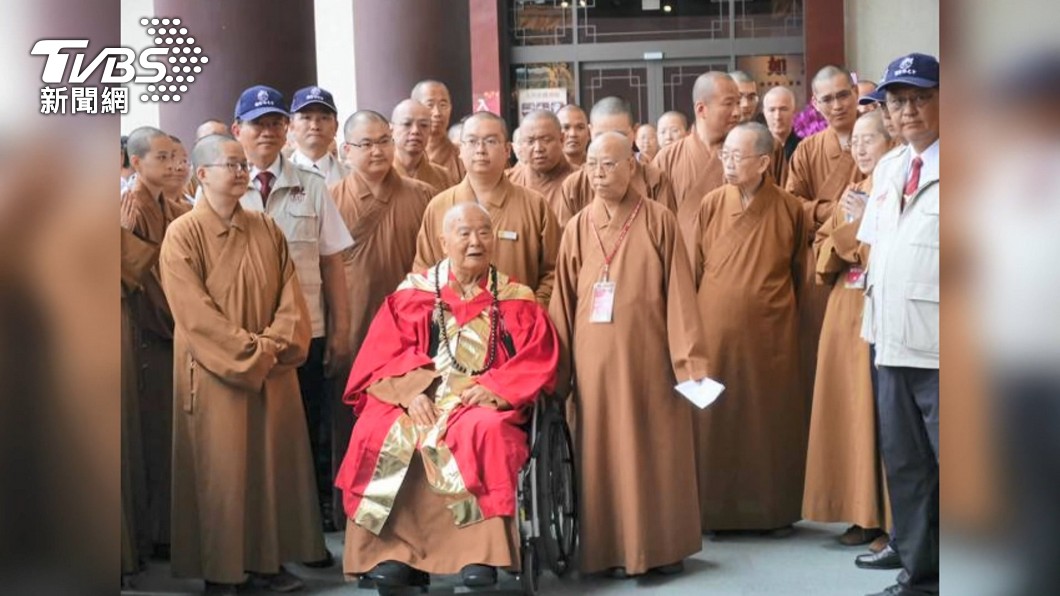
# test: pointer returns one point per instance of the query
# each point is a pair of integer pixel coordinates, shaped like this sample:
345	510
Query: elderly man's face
609	164
915	112
483	147
468	242
867	144
542	143
743	167
314	128
780	114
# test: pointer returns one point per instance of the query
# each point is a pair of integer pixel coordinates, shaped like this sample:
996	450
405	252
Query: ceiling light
667	8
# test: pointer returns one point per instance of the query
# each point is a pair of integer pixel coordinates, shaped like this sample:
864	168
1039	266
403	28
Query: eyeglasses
843	95
234	167
897	103
488	142
369	144
727	156
604	166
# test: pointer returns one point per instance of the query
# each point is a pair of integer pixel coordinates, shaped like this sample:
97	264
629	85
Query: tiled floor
809	562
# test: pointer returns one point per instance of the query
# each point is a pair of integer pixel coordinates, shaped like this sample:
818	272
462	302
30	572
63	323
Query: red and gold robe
471	457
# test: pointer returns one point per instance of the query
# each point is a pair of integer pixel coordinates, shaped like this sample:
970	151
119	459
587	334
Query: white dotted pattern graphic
184	58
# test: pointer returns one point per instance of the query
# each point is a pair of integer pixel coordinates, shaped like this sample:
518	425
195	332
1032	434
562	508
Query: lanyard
621	236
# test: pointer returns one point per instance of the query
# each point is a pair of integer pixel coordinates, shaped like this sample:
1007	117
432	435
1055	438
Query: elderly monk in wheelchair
449	373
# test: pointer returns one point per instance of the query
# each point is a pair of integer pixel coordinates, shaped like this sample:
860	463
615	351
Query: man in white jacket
901	316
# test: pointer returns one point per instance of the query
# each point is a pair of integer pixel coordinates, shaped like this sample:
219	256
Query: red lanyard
621	236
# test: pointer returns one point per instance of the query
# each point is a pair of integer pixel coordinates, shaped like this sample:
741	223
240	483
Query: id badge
603	305
854	278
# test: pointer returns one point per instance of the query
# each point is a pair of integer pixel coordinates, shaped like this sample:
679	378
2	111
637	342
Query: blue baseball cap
308	96
918	70
877	96
258	101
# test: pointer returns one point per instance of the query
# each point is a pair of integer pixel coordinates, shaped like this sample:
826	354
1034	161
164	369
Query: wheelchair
546	503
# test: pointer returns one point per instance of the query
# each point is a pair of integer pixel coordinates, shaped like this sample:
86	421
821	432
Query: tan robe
137	258
844	478
527	235
779	164
437	177
647	180
633	432
384	231
550	185
148	219
819	173
751	443
694	170
244	496
444	153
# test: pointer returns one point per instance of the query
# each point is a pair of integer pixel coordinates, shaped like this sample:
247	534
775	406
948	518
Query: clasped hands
424	412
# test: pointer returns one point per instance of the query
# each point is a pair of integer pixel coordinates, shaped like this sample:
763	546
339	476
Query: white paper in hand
702	392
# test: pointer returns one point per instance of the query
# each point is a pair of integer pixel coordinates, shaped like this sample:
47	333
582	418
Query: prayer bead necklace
494	316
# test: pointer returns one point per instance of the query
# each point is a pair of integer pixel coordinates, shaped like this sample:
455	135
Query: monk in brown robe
692	163
411	122
440	150
543	167
633	433
244	499
647	142
137	258
671	127
820	171
527	232
382	210
182	187
844	480
575	125
778	106
613	114
147	211
751	444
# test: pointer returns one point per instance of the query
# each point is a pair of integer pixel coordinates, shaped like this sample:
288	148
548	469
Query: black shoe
324	563
392	574
478	576
894	590
885	559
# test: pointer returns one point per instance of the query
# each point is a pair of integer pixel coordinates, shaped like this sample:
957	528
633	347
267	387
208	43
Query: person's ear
134	162
235	129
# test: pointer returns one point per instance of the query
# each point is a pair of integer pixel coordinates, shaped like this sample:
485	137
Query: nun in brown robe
751	443
244	497
632	431
844	479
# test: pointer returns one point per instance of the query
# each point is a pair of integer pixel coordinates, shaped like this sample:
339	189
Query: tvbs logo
165	69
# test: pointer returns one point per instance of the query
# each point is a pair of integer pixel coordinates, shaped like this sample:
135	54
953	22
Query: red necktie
265	183
914	180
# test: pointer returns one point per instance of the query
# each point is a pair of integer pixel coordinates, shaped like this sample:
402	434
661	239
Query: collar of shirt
276	168
930	169
323	165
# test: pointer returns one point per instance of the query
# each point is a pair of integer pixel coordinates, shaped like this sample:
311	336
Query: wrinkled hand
853	204
477	395
422	411
337	355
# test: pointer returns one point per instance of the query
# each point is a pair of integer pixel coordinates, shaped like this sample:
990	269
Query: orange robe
549	185
444	153
384	231
820	171
244	493
647	180
844	479
527	234
437	177
694	170
632	431
148	218
751	443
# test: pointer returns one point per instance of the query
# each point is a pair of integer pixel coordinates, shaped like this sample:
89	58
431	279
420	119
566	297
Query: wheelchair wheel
557	494
530	571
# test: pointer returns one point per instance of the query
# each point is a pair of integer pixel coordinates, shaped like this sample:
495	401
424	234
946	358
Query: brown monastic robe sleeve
800	172
563	305
550	239
228	351
291	326
664	190
836	247
684	325
799	255
427	250
137	258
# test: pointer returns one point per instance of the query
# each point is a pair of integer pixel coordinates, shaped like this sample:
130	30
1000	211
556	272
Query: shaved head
828	73
211	127
614	144
139	143
538	115
409	108
362	117
611	106
488	117
435	95
423	88
208	149
778	106
708	84
761	139
741	77
460	211
570	108
779	94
